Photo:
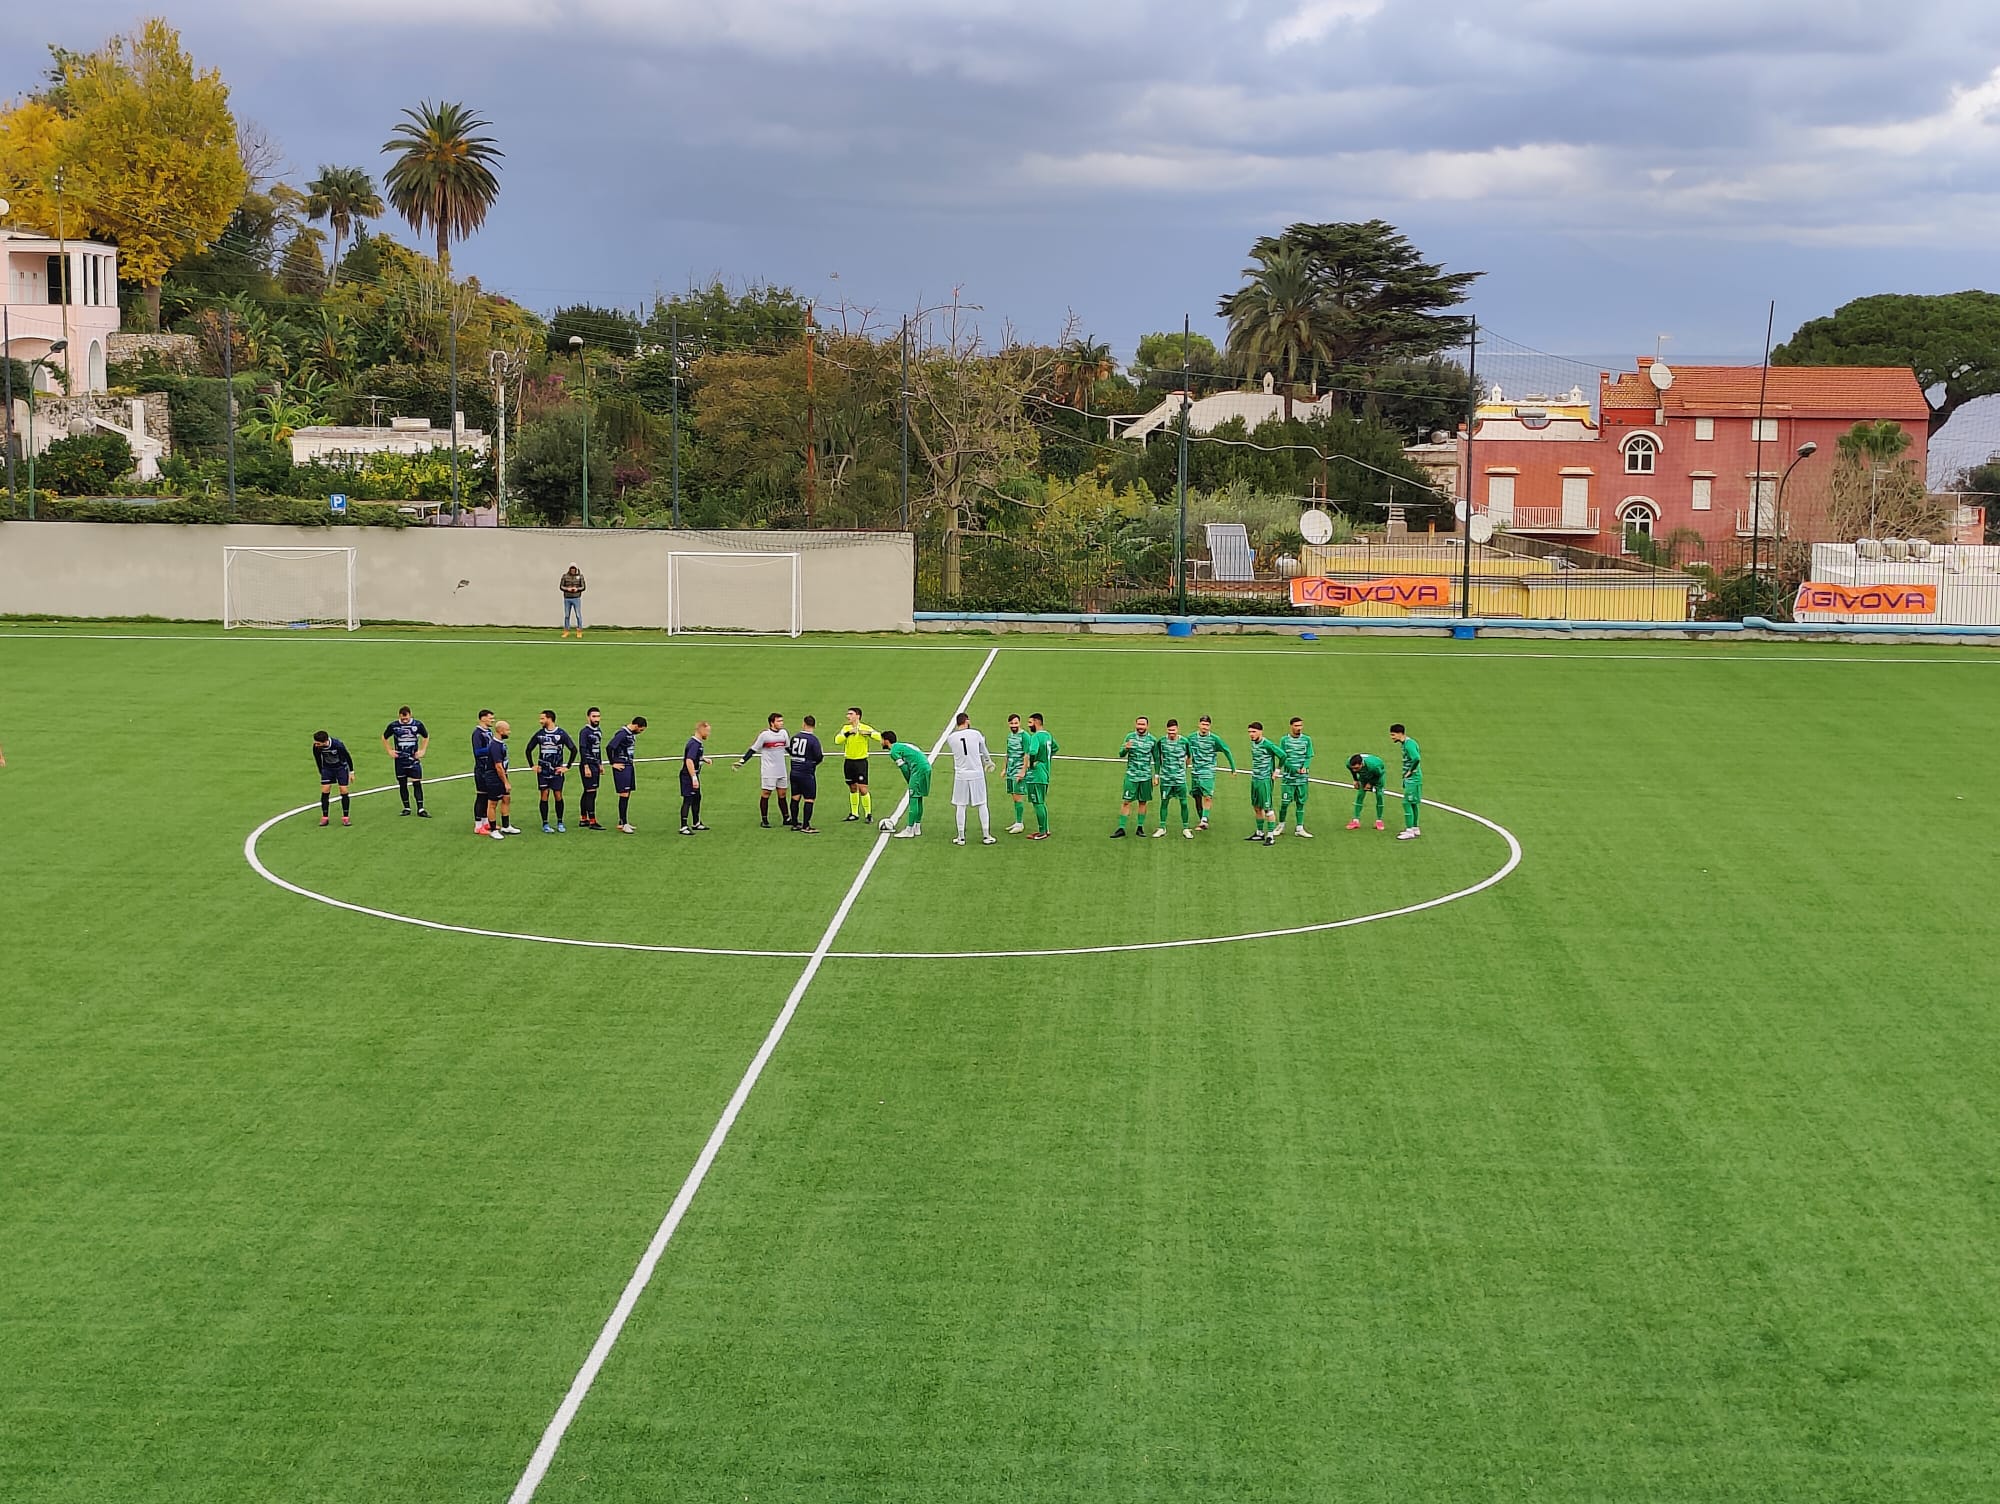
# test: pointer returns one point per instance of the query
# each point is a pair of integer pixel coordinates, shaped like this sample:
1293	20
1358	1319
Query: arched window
1641	451
1639	516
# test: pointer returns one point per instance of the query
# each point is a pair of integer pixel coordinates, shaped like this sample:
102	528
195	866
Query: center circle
1498	875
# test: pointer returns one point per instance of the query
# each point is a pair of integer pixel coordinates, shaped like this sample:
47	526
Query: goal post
735	593
288	587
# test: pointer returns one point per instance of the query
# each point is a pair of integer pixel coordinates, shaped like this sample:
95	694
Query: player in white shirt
971	761
774	765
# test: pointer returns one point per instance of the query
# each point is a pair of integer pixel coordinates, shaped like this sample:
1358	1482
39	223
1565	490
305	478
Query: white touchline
538	1464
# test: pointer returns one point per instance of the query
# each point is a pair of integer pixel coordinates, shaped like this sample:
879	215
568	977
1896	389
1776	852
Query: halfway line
538	1464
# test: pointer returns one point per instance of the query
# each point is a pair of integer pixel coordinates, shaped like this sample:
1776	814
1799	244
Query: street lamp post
34	365
583	366
1805	452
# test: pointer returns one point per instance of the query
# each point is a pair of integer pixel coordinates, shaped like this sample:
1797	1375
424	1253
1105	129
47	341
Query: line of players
1280	773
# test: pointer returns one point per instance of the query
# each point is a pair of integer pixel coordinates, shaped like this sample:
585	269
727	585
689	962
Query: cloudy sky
1618	171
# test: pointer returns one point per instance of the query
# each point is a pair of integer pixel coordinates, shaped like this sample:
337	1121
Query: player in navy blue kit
487	784
804	751
498	745
406	740
546	746
590	766
336	770
620	752
693	755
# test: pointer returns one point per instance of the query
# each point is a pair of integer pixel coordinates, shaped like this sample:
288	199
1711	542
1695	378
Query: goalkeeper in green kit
1175	756
1017	766
1413	780
1202	747
1138	753
1367	773
1038	750
1295	760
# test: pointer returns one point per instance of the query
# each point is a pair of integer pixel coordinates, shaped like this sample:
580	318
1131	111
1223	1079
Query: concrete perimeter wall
850	582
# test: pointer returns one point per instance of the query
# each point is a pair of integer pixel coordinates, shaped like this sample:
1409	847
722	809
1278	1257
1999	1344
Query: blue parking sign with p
336	503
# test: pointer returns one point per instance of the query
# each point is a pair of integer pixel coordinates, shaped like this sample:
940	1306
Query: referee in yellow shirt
854	739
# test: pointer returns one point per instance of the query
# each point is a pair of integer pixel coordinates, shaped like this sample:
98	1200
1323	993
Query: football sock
916	812
587	806
1017	810
1121	821
559	809
764	808
867	804
694	807
985	823
403	788
853	802
959	811
478	807
325	805
624	803
1042	816
417	788
806	812
343	802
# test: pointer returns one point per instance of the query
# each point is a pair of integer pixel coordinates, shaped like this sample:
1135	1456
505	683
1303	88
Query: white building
1205	414
38	314
336	445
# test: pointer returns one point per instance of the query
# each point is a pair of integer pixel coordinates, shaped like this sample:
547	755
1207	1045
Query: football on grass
888	824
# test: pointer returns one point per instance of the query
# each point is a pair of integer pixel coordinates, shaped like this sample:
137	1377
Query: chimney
1645	361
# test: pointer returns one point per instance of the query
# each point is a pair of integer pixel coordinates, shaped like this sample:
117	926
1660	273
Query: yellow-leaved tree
136	146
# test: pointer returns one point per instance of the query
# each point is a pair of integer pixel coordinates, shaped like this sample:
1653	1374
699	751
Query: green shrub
283	511
84	464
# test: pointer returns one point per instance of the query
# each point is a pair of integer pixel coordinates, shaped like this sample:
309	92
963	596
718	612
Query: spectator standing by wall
571	586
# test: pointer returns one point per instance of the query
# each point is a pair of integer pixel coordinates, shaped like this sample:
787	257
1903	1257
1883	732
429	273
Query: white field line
545	1451
257	865
1326	647
1514	856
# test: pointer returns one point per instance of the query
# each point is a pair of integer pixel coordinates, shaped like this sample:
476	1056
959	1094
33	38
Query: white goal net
288	587
735	592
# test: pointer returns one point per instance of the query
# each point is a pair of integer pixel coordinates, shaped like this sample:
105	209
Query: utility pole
1180	528
1471	427
496	367
1757	467
229	389
903	402
62	248
812	414
7	375
674	406
451	291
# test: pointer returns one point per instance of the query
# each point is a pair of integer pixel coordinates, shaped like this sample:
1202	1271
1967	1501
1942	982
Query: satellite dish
5	207
1660	375
1316	527
1458	509
1482	529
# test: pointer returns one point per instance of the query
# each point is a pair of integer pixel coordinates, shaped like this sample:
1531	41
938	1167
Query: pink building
44	307
1682	450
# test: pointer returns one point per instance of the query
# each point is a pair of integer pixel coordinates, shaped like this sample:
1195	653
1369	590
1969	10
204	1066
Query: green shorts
1260	793
1037	790
920	785
1413	788
1016	784
1296	785
1204	784
1172	791
1138	791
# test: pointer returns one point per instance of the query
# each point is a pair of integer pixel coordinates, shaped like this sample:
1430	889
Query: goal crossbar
288	587
713	604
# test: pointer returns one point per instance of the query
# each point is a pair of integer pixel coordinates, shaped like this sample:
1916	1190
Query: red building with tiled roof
1692	453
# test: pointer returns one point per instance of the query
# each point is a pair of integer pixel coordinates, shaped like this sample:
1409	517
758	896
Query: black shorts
805	785
489	784
409	767
590	772
338	778
549	778
854	769
625	779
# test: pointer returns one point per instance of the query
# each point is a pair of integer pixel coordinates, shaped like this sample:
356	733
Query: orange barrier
1867	600
1413	591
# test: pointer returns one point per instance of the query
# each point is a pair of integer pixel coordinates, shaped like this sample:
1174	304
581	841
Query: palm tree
1277	318
442	179
340	196
1080	364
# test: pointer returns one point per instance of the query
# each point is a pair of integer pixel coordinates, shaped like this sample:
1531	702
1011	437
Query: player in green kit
1263	768
1413	780
1017	763
1140	748
1202	747
916	770
1295	760
1174	756
1038	750
1367	773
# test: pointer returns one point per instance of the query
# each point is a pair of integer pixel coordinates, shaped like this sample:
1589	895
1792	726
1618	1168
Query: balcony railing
1762	522
1553	520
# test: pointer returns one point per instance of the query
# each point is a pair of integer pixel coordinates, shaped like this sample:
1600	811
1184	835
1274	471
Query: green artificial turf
1663	1170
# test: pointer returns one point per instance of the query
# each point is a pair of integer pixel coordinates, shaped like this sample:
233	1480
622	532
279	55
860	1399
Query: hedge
282	511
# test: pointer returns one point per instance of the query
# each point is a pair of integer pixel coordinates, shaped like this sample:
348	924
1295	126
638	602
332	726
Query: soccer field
1659	1164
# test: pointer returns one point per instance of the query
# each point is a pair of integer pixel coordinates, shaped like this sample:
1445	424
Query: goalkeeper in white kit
971	761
